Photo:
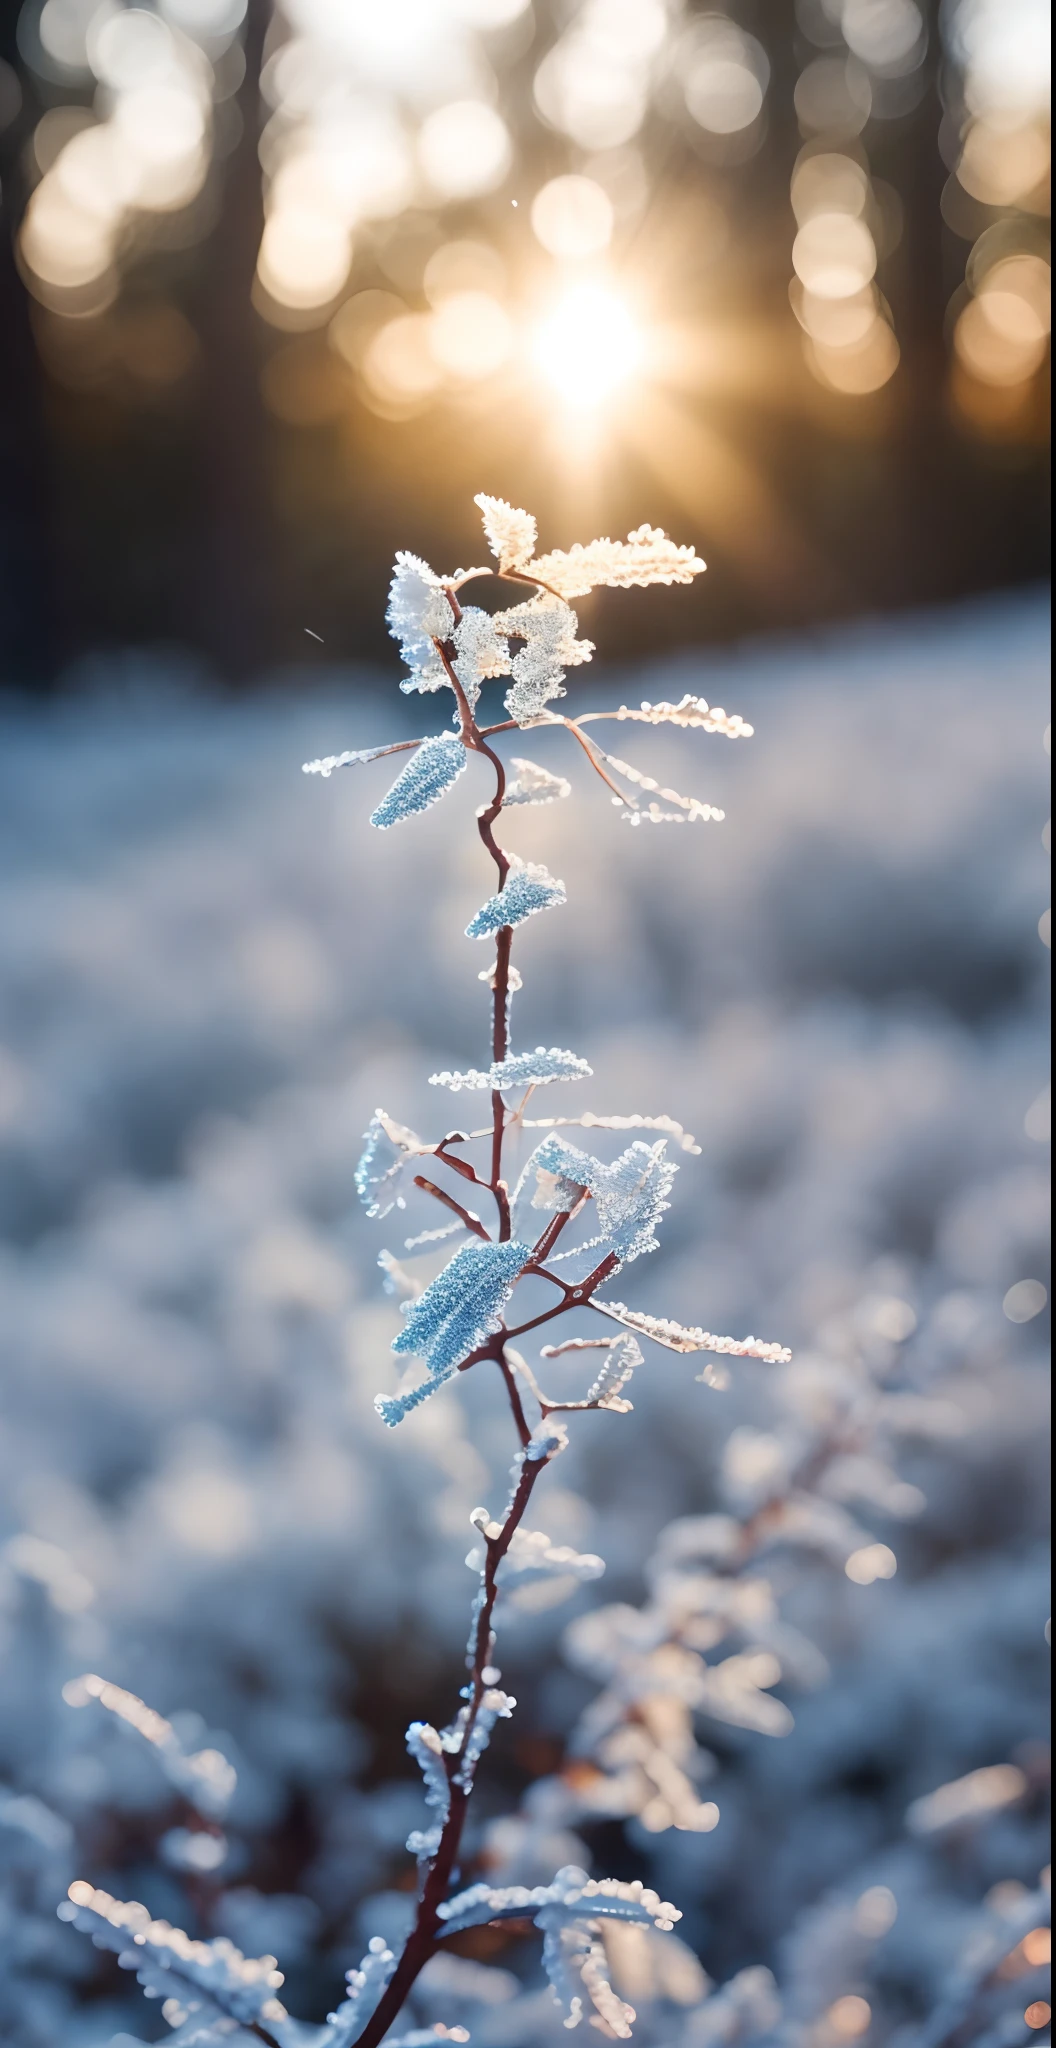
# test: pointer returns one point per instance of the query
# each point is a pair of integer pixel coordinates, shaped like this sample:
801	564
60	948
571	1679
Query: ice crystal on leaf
570	1913
548	628
419	612
384	1163
456	1312
623	1356
527	888
480	652
511	535
519	1070
429	774
646	556
630	1194
534	785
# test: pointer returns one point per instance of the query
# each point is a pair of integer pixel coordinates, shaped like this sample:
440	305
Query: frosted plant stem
428	1926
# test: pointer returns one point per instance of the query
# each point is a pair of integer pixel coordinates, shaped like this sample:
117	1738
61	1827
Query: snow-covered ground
212	971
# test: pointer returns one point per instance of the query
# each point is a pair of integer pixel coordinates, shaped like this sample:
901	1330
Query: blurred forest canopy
279	285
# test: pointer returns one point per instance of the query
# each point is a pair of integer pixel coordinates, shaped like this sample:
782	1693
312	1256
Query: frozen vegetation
803	1711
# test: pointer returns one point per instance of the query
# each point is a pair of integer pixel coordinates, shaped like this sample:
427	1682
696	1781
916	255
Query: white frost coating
419	611
519	1070
214	1977
692	712
630	1193
646	556
325	767
204	1776
427	1750
510	533
548	628
428	776
676	1337
480	652
534	785
365	1987
384	1163
528	887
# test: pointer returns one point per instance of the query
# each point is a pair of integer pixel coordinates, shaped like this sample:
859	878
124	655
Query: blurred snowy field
212	971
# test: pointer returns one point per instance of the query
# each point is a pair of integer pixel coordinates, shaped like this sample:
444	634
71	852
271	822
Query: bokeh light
588	345
464	149
572	216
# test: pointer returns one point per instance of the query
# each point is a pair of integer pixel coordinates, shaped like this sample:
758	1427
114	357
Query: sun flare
588	345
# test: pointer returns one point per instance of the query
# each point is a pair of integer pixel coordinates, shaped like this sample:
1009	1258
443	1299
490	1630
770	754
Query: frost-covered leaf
456	1312
209	1977
519	1070
384	1163
419	611
480	652
646	556
677	1337
204	1776
571	1892
527	888
534	785
693	712
630	1193
510	534
429	774
548	628
624	1355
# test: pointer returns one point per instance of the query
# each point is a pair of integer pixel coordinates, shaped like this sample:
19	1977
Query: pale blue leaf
429	774
460	1308
528	888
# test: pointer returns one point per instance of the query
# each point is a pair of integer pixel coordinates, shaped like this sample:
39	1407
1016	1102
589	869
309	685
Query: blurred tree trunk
235	582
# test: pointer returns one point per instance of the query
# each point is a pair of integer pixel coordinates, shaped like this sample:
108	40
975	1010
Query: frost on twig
690	711
204	1776
677	1337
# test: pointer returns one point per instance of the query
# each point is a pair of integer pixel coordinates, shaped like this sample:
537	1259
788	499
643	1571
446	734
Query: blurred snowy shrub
843	1000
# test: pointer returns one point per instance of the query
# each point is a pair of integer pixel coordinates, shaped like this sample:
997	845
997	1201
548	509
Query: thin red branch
471	1221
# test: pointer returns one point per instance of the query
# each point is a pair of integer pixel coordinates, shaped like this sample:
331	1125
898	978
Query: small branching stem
428	1927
